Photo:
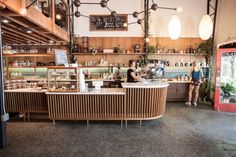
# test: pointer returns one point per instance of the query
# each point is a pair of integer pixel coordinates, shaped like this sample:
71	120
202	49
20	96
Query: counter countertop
153	84
103	91
26	90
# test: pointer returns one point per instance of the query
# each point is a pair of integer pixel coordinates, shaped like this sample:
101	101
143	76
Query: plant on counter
206	49
118	49
93	50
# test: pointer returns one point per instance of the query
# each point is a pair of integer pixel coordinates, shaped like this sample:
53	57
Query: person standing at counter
131	76
196	74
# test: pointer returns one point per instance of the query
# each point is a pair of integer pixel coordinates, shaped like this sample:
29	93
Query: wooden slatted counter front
26	101
145	101
107	104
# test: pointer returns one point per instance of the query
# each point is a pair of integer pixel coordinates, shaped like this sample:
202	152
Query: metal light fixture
103	4
205	27
77	3
153	7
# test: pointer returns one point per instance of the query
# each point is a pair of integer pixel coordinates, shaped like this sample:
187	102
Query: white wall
193	10
226	23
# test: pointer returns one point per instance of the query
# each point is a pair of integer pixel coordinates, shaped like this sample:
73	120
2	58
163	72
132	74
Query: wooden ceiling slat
21	34
13	38
10	41
29	34
18	36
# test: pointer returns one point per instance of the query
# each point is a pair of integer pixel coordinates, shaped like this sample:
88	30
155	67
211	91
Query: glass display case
63	79
225	92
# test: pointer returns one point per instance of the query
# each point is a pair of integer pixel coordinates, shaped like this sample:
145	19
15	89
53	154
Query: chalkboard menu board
108	23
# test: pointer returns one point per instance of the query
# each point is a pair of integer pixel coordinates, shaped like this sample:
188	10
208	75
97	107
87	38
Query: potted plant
227	90
207	90
118	49
93	50
151	49
206	49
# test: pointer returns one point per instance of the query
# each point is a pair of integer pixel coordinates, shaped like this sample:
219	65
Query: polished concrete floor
182	132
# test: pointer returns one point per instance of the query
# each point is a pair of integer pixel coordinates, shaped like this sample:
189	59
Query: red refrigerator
225	91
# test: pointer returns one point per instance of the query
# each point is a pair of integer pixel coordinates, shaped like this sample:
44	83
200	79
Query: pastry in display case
63	79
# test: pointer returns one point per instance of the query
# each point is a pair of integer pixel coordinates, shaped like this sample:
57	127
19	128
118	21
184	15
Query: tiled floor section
182	132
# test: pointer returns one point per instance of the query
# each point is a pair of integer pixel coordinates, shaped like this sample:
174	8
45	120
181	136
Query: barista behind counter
131	76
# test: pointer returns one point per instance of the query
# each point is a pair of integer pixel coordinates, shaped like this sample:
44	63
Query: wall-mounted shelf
108	54
29	55
175	54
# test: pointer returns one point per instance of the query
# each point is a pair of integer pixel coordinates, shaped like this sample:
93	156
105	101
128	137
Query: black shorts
196	83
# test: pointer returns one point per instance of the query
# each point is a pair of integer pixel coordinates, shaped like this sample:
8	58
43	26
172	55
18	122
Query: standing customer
131	76
196	74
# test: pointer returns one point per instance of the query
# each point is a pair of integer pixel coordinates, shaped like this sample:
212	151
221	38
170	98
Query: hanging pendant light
205	27
174	28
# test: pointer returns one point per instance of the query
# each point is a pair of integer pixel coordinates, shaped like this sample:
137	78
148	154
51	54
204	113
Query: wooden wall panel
129	42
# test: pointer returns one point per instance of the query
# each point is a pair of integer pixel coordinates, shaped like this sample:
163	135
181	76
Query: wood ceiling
14	32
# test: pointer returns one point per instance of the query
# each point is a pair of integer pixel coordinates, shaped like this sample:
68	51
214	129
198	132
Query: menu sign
60	57
108	22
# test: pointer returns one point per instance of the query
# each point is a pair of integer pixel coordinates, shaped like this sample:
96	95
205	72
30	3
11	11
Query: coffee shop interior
142	78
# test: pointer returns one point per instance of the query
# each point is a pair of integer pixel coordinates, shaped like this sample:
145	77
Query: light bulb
23	11
5	21
179	9
147	40
125	25
28	31
58	16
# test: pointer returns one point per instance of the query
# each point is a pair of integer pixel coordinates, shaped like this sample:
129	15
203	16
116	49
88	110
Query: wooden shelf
18	67
108	54
175	54
29	55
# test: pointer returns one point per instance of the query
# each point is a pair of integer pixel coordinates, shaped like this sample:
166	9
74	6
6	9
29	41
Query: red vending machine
225	91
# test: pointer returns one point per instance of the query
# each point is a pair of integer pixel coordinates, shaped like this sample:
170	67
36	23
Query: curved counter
145	101
135	101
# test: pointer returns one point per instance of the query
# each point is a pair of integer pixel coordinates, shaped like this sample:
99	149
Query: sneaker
195	104
188	103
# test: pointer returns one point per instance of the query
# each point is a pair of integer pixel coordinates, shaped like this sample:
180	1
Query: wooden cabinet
177	92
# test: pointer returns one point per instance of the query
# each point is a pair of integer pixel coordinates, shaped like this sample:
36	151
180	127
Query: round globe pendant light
174	28
205	27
